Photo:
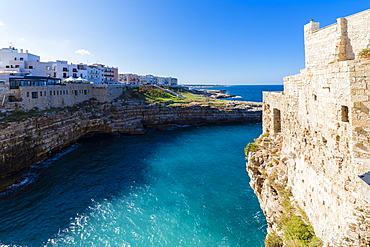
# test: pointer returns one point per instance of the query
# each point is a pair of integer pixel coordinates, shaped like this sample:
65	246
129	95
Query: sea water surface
181	187
247	92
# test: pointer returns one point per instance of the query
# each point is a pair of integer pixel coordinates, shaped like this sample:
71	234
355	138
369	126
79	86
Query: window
16	66
30	67
7	66
44	93
15	59
276	120
34	95
76	92
21	59
64	75
85	92
65	69
57	92
40	93
345	117
51	93
67	92
54	92
28	94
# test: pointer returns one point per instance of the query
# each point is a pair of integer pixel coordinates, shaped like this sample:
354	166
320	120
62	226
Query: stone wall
43	97
24	143
107	92
325	128
323	119
338	42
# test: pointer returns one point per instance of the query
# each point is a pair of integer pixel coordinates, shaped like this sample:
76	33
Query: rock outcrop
24	143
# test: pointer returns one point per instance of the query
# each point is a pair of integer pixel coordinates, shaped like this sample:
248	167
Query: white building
148	79
95	74
19	57
15	64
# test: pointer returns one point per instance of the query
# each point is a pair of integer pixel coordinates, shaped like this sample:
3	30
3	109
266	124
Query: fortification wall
322	127
325	127
338	42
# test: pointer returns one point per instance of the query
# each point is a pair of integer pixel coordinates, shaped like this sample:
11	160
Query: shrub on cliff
251	147
297	229
273	240
365	53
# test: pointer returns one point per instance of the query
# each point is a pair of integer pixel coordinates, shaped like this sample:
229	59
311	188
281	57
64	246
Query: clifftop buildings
134	79
27	82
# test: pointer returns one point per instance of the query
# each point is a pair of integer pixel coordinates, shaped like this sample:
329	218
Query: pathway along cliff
26	142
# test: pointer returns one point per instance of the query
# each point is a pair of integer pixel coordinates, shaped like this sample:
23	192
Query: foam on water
180	187
29	177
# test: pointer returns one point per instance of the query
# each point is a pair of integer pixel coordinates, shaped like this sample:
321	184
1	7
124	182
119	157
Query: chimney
21	50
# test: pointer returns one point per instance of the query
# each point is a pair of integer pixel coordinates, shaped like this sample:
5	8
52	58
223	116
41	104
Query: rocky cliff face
24	143
288	190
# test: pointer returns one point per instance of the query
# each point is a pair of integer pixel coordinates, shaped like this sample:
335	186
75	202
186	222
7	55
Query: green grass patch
296	228
19	115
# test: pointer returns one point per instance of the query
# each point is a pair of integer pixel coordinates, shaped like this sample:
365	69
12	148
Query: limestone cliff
26	142
288	224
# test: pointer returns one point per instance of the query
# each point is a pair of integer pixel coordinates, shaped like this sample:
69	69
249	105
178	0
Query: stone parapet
338	42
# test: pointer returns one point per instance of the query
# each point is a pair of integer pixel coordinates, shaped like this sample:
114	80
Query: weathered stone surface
323	119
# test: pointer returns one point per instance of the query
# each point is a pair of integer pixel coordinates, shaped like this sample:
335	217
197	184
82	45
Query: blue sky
197	41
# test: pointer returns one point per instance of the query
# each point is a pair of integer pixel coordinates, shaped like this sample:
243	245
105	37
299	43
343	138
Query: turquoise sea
181	187
247	93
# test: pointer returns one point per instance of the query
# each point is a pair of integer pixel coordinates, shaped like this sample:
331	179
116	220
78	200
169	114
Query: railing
2	104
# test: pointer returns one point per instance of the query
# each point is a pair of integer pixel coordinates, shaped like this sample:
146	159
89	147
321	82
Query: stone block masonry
322	120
